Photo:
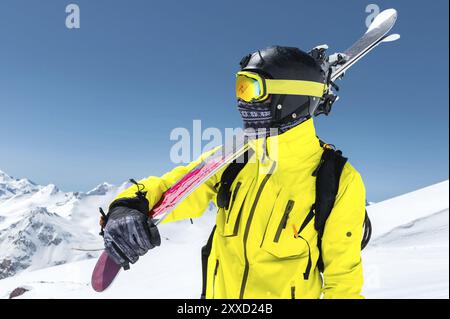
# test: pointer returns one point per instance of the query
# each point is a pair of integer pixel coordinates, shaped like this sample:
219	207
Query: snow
38	240
10	186
170	271
410	261
41	226
407	257
101	189
407	208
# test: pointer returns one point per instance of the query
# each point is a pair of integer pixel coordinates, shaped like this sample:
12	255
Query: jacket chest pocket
228	219
290	231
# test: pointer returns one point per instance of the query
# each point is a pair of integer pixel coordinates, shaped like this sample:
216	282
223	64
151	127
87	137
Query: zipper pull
295	231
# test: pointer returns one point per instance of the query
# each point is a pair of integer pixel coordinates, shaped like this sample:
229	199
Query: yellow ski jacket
255	253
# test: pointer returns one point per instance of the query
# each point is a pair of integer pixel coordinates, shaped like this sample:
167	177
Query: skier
281	231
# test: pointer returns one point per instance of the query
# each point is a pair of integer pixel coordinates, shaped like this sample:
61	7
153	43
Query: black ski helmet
287	63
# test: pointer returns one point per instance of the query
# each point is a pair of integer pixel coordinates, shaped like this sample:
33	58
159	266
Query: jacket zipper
238	185
216	269
293	292
247	229
284	219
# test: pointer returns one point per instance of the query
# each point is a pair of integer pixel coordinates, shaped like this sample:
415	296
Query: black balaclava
259	117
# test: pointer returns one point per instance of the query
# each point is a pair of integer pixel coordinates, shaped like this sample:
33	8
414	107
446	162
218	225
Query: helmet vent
244	60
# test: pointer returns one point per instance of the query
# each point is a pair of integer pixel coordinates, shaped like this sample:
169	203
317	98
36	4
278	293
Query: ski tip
392	37
104	273
382	17
390	12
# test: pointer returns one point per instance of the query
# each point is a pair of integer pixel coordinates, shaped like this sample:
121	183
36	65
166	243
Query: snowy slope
171	271
407	258
411	261
409	207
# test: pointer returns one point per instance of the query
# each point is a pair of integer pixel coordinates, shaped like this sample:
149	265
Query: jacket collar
298	143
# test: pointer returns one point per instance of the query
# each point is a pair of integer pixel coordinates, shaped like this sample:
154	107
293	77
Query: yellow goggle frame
252	87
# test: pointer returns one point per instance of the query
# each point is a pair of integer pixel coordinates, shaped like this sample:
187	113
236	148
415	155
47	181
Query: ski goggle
252	87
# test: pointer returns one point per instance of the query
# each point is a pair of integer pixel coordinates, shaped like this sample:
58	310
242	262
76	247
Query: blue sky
78	107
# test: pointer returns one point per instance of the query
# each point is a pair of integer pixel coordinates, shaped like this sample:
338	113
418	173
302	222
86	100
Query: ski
375	34
105	270
88	249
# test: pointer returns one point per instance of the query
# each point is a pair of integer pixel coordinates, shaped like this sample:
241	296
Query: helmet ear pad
284	107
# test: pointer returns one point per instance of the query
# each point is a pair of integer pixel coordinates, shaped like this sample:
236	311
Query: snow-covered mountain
41	226
10	186
408	257
39	239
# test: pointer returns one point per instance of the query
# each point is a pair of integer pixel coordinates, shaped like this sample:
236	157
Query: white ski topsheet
386	15
375	34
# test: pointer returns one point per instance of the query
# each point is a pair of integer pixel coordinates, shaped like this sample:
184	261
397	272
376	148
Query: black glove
129	232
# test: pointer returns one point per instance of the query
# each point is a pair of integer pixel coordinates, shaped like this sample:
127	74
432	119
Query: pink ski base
104	272
173	195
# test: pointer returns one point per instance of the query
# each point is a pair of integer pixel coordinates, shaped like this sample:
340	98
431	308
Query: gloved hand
128	231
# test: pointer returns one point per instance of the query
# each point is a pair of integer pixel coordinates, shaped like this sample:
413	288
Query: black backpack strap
228	176
367	231
206	251
328	174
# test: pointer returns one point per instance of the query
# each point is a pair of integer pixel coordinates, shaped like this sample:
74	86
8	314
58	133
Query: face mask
258	117
255	115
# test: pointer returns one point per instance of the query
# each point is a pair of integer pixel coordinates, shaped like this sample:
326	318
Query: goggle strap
295	87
